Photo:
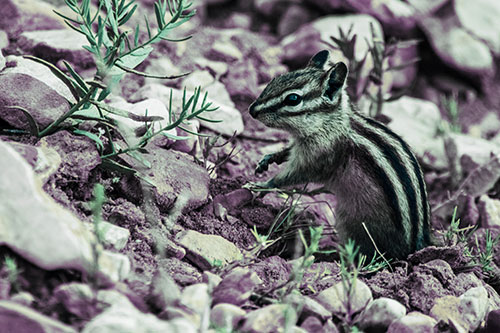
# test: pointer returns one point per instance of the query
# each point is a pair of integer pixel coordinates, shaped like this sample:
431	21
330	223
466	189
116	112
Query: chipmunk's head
299	101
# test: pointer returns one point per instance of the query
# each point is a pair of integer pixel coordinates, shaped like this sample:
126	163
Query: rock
413	322
58	44
473	306
23	298
295	16
492	322
397	17
269	7
224	51
115	266
230	117
308	306
196	298
446	309
197	79
111	235
163	291
242	82
422	288
480	20
335	299
22	15
456	47
42	102
236	287
300	46
216	68
425	8
77	298
238	20
271	318
79	157
21	319
227	316
2	60
4	42
44	160
424	118
182	272
380	313
207	251
490	211
39	229
312	324
168	173
211	279
123	317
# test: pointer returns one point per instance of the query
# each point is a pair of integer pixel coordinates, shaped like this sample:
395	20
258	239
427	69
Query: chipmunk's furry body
372	171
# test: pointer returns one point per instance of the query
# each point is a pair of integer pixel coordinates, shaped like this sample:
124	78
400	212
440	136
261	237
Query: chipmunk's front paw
258	186
263	164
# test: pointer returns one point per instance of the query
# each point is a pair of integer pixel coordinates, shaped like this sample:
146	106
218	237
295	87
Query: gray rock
473	306
310	38
61	240
23	298
207	251
456	47
18	318
271	318
163	291
481	20
380	313
446	309
182	272
335	299
216	68
65	43
308	306
168	173
236	287
227	316
114	266
295	16
77	298
111	235
196	297
413	322
426	8
396	16
312	324
2	59
123	317
21	16
211	279
44	160
4	42
224	51
42	102
493	322
490	211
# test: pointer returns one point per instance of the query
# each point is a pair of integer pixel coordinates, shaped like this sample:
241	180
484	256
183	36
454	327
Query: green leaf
209	120
138	156
33	126
109	164
93	137
76	76
175	137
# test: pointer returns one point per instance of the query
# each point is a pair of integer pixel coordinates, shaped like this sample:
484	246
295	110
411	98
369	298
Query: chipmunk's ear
335	79
319	59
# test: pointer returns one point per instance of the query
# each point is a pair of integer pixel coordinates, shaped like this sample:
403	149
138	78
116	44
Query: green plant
13	272
485	257
450	106
117	51
454	234
380	52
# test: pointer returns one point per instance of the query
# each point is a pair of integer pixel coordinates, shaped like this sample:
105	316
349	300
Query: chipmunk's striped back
373	172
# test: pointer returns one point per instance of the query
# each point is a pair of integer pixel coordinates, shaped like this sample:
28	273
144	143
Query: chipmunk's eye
292	99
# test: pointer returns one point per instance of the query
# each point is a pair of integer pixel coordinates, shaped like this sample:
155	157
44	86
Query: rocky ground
178	243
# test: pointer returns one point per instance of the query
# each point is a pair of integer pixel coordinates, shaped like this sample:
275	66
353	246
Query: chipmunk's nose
252	110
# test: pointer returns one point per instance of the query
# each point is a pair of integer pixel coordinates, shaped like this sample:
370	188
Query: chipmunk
371	170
